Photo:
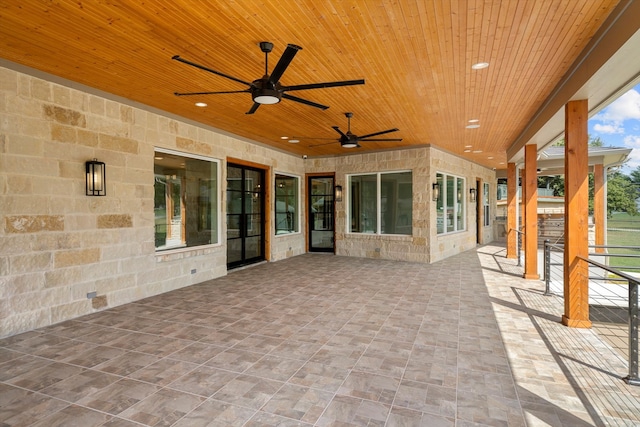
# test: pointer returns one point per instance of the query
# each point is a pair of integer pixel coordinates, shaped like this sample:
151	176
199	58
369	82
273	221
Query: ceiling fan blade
304	101
326	143
380	140
253	108
209	93
202	67
311	137
323	85
378	133
342	134
283	63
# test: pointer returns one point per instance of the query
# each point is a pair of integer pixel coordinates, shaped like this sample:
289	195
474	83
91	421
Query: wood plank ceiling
415	57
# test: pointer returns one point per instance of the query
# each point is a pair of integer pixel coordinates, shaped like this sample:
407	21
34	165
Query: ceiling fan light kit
351	140
268	90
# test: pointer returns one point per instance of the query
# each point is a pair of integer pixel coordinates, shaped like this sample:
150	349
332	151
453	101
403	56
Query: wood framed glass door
245	215
321	214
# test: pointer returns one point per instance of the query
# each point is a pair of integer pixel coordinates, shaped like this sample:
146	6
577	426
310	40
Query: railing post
547	267
633	378
519	246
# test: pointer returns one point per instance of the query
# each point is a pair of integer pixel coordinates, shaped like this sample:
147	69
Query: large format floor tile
320	340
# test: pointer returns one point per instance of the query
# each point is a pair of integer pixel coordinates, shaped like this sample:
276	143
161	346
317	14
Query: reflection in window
450	206
185	201
485	203
286	204
381	203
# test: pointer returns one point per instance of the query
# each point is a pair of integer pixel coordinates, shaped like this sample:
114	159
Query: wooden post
599	205
512	200
531	212
576	216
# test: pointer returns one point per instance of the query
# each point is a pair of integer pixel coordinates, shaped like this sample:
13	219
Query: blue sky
618	125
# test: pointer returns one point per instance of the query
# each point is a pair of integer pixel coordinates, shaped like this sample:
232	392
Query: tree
621	194
635	176
555	183
635	180
593	142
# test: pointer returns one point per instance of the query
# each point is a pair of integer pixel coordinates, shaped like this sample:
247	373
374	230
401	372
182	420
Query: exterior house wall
424	245
58	245
445	245
395	247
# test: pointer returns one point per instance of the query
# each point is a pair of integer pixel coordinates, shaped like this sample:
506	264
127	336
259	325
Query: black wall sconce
472	195
96	178
435	194
338	195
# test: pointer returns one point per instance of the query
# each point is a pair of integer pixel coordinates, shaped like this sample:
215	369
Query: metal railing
609	300
519	233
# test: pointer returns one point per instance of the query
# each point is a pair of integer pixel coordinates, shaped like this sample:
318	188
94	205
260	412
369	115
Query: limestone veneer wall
56	244
424	245
395	247
445	245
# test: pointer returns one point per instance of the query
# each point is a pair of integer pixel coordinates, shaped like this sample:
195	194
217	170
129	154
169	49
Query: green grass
616	236
624	220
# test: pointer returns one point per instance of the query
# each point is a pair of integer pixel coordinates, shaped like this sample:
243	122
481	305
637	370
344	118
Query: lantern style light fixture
472	195
96	178
338	195
435	194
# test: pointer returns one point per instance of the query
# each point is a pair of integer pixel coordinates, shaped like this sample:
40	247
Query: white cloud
608	129
627	107
633	142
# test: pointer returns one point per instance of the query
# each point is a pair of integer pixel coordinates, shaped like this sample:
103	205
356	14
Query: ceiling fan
350	140
267	89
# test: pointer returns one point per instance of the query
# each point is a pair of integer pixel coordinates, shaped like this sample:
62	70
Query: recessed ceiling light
201	104
468	146
294	141
467	151
472	126
158	157
490	157
474	121
480	65
284	137
477	151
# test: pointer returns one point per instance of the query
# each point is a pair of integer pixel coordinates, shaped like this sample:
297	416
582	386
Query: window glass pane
450	194
440	204
363	203
286	204
396	198
485	201
185	201
460	204
451	204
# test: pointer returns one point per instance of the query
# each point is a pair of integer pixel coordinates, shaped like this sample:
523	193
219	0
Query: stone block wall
58	245
446	245
396	247
424	245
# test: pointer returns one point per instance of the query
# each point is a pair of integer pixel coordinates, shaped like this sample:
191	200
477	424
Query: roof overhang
606	69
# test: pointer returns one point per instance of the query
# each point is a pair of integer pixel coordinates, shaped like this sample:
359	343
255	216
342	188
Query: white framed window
186	200
451	203
380	203
287	204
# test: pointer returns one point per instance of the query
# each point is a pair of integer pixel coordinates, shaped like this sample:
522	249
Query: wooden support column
576	216
530	185
599	205
512	201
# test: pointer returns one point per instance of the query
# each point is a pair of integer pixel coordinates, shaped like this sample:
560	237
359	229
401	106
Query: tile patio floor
321	340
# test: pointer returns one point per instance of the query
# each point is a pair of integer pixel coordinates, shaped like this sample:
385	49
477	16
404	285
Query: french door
245	215
321	214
